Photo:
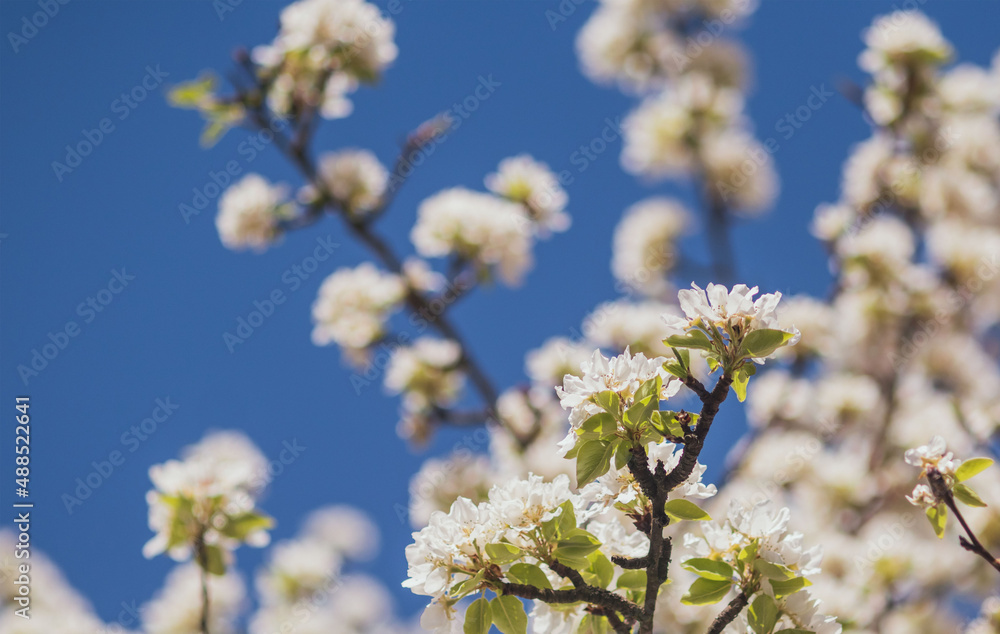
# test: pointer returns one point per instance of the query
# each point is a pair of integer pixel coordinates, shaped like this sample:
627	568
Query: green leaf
676	369
529	574
795	630
600	571
575	450
748	552
693	339
649	389
683	357
967	496
508	614
566	520
469	585
190	94
215	560
242	525
791	586
971	467
592	624
706	592
740	381
772	571
593	461
574	549
632	580
598	426
478	617
503	553
763	343
938	516
666	423
610	401
179	532
640	412
681	509
763	614
623	453
709	568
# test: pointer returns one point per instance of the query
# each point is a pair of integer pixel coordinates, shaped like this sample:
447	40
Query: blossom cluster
205	503
899	352
323	50
761	556
690	122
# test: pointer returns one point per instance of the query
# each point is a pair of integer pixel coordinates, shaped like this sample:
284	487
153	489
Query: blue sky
114	218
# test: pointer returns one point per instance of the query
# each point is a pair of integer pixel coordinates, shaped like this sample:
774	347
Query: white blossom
934	455
645	247
425	372
481	228
250	212
342	41
622	374
719	307
741	171
901	36
353	306
355	178
524	180
217	479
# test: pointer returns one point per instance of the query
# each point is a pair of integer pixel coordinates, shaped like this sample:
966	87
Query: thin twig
972	544
296	151
202	554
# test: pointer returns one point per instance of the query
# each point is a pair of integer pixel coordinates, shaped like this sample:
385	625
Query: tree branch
972	544
711	401
586	594
296	151
729	615
202	554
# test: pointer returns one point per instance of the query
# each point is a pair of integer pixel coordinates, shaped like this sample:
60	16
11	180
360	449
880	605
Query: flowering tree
589	514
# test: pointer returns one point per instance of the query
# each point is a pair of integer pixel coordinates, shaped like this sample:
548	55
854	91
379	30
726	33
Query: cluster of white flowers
524	180
355	179
897	354
759	527
477	227
622	375
720	307
322	52
452	547
645	245
353	306
305	575
691	121
494	232
902	47
426	373
637	44
208	498
250	213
